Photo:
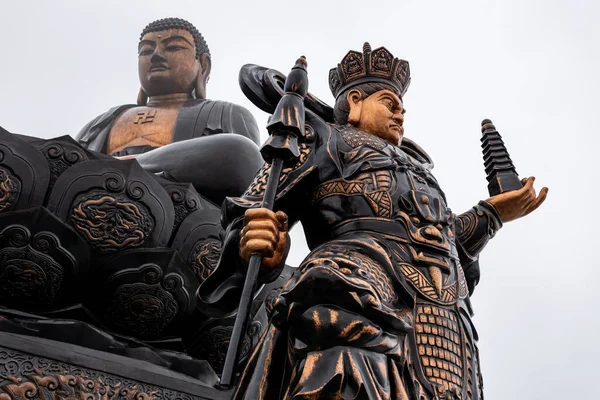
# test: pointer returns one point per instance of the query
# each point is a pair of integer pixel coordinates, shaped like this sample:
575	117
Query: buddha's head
368	88
172	58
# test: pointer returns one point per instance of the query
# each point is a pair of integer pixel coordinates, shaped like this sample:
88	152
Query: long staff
285	127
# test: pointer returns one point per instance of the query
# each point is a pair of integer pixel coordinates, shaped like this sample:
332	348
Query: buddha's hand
518	203
264	233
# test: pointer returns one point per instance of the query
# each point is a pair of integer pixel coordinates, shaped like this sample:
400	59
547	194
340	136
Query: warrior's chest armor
143	126
380	181
405	199
384	189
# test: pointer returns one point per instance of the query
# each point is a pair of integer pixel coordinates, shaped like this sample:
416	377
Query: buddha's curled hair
178	23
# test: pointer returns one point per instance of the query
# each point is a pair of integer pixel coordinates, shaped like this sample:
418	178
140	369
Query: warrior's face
167	62
381	114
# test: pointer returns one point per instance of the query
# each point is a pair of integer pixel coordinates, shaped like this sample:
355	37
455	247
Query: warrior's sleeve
474	229
219	294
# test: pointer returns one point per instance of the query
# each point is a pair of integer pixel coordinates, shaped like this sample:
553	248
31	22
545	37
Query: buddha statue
103	254
174	66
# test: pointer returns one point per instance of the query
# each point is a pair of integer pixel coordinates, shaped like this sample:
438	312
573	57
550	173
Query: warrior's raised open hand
518	203
264	233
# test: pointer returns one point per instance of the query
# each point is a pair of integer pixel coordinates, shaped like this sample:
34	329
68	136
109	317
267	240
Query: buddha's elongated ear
142	99
203	75
355	102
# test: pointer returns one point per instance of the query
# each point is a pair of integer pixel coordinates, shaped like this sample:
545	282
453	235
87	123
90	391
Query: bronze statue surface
380	308
171	66
103	252
174	66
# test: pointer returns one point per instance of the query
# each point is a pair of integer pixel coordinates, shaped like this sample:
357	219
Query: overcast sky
531	66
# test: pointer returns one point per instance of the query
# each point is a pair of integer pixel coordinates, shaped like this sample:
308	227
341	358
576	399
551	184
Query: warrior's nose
399	118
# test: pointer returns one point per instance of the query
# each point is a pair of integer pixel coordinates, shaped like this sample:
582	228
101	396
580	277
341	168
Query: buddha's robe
217	165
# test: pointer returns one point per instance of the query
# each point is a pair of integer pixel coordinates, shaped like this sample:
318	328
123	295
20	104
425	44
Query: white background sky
531	66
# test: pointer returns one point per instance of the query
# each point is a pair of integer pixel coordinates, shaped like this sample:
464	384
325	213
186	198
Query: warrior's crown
378	65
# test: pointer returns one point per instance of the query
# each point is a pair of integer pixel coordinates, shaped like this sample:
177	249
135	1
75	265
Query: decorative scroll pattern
215	341
10	187
145	308
24	376
439	345
204	258
185	201
111	222
142	309
24	174
32	267
28	276
61	156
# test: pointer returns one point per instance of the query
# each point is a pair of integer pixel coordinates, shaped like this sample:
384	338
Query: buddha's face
167	62
381	114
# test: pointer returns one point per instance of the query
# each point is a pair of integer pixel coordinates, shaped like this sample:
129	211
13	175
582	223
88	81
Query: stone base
36	368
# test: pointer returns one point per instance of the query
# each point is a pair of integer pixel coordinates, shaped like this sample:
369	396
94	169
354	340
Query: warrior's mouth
399	127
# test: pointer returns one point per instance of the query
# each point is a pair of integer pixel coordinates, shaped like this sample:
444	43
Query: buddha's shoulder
225	116
112	113
220	107
93	128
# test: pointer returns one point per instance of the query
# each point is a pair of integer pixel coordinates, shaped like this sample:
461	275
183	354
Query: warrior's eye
389	104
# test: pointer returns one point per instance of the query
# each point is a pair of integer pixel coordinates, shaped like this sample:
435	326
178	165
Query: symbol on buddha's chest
145	117
143	126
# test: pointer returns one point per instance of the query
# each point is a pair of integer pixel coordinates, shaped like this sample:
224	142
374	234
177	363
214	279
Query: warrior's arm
475	227
219	293
473	230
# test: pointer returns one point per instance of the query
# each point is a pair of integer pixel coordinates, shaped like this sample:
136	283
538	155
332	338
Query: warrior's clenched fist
264	233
